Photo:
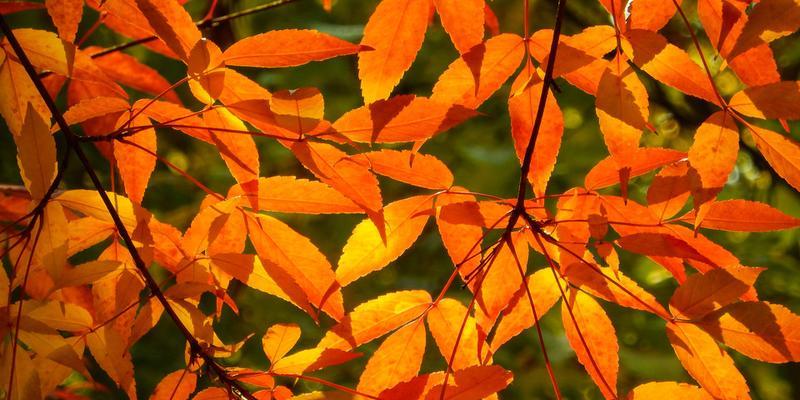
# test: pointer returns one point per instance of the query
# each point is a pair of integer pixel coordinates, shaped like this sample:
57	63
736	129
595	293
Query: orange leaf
745	216
286	48
288	194
646	159
781	152
125	18
367	250
593	338
94	107
622	109
88	202
460	226
135	158
298	110
311	360
129	71
614	286
768	21
445	320
651	15
172	24
669	190
713	155
66	15
110	351
398	359
756	66
476	75
519	316
759	330
472	383
279	246
669	64
18	92
279	339
249	270
416	169
660	244
7	8
709	365
667	390
210	230
351	179
771	101
178	385
212	393
168	113
478	382
395	32
400	119
36	154
463	20
704	293
523	105
499	279
580	57
375	318
236	148
53	243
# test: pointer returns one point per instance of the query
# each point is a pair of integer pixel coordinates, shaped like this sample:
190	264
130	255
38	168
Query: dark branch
72	142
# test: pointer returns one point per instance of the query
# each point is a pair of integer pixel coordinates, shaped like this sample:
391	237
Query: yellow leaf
398	359
19	94
445	320
109	350
53	245
366	251
375	318
279	339
36	154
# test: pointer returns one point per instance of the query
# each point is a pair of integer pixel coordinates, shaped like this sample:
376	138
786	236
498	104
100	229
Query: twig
195	347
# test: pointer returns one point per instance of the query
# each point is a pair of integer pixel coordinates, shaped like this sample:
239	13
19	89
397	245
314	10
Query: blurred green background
481	156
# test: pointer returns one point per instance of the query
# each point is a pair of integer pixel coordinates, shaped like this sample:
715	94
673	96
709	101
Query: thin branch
696	42
195	347
550	262
547	363
537	123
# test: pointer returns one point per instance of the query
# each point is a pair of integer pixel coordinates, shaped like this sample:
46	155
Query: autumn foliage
518	257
